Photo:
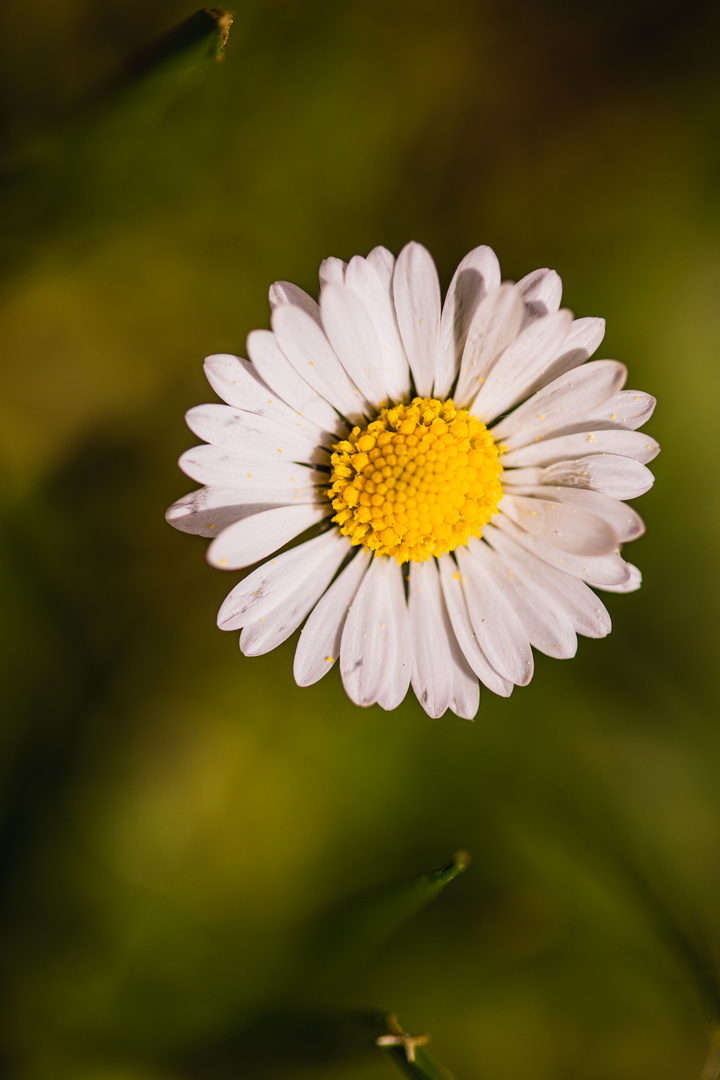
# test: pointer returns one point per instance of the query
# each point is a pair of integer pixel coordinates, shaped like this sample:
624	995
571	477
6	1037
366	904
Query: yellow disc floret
417	481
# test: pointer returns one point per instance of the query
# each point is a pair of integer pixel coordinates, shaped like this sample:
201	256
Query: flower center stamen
417	481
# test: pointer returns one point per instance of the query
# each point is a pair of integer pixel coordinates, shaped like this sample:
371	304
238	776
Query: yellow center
417	481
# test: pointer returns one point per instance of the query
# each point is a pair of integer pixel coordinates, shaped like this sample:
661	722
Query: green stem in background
683	937
342	940
408	1054
77	175
302	1029
712	1065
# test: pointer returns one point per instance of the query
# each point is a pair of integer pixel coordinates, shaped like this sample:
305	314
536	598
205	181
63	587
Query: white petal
319	644
584	337
254	538
384	263
477	275
332	272
464	633
211	509
267	626
252	469
274	583
520	365
431	677
416	291
582	341
351	333
465	700
497	625
210	498
494	326
620	477
610	569
629	409
284	292
561	404
439	667
569	528
632	584
281	376
631	444
312	356
238	382
238	431
541	291
624	521
544	620
374	288
375	653
208	511
585	611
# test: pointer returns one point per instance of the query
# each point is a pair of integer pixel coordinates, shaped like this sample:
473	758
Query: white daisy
462	469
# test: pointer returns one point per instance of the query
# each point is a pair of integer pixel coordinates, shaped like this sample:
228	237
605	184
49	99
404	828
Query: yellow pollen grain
417	481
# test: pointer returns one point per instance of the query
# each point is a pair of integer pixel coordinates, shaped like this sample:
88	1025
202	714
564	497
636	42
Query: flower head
464	471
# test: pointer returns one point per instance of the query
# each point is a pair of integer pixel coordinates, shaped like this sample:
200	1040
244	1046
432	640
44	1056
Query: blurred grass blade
424	1067
347	937
78	172
679	931
408	1053
712	1065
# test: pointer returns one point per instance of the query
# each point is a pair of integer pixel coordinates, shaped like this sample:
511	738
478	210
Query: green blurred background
175	815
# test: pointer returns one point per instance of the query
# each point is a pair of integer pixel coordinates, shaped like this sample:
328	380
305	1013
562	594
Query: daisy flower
458	471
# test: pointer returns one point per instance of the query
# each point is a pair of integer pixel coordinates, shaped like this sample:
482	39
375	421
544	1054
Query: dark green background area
173	813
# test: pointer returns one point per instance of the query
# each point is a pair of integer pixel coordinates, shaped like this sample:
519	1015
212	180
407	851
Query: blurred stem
712	1065
424	1067
682	935
408	1054
77	174
343	940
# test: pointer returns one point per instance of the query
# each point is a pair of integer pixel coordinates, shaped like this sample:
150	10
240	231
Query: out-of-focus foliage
174	815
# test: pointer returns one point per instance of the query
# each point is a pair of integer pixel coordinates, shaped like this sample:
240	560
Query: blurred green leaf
341	941
77	172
